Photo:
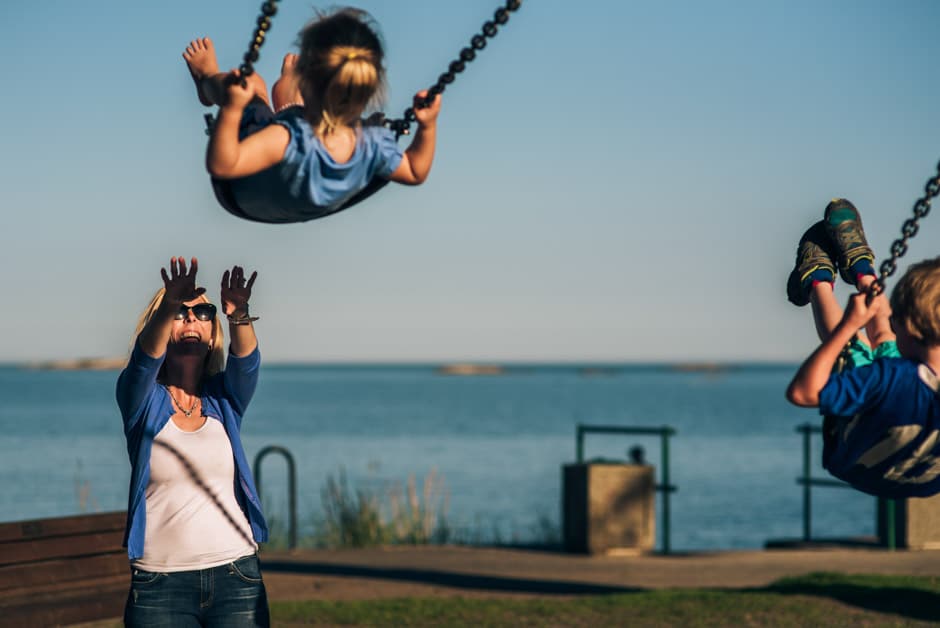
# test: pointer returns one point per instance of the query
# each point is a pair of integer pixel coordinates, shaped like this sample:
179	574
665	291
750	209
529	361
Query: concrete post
608	506
916	523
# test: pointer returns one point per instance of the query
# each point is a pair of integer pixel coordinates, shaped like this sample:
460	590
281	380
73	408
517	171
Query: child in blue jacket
877	392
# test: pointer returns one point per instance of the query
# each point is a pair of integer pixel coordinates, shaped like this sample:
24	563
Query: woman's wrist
241	316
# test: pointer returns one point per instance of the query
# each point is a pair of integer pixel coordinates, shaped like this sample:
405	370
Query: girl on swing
305	153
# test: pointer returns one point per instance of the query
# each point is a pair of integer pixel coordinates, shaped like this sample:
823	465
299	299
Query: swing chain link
908	230
402	126
247	68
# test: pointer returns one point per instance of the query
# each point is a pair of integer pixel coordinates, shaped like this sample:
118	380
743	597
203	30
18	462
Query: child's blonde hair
915	301
215	360
340	68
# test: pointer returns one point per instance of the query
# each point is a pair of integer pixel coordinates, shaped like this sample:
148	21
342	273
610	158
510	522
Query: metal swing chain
247	68
402	126
908	231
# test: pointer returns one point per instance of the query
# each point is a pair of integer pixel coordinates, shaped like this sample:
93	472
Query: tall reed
361	518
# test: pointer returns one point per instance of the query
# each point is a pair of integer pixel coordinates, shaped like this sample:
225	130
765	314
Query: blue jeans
227	596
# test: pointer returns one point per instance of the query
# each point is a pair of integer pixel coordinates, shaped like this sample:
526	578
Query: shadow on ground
868	592
910	597
447	579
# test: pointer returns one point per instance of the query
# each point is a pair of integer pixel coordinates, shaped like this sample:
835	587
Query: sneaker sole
843	212
808	262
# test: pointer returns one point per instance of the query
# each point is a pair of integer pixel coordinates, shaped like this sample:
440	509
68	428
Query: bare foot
202	63
286	90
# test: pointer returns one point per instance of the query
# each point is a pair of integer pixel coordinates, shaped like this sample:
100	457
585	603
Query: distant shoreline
79	364
458	368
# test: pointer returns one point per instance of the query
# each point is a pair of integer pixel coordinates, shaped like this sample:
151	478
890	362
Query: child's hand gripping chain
882	407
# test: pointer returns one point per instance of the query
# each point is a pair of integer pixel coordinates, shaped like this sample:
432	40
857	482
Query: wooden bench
63	571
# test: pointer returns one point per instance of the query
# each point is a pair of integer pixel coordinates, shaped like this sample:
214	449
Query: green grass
823	599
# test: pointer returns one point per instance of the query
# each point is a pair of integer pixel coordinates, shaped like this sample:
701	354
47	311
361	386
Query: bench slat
47	574
64	570
60	547
103	599
62	526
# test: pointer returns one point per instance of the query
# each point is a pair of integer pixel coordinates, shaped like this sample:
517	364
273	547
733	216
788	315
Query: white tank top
193	518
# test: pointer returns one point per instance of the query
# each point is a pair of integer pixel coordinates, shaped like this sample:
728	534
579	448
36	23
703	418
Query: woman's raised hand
180	284
236	291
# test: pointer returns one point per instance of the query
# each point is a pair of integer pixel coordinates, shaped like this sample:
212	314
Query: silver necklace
189	412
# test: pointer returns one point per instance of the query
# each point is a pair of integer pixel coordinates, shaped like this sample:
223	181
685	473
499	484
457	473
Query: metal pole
667	488
291	488
579	444
807	501
890	527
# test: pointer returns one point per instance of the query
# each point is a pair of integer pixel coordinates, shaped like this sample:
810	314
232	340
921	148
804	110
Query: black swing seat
225	197
223	194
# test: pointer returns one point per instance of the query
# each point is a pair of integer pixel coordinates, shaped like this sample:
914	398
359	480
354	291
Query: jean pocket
141	576
247	568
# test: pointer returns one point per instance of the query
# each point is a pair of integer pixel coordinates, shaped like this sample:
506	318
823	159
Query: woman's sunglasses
202	311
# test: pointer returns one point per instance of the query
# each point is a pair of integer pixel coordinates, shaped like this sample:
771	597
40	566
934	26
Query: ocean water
495	444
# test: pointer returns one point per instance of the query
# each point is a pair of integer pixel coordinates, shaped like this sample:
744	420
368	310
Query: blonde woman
193	520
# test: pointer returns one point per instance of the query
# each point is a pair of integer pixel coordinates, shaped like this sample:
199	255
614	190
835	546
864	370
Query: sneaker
814	253
844	226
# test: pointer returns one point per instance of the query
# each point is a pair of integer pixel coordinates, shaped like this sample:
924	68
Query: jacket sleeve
135	385
240	379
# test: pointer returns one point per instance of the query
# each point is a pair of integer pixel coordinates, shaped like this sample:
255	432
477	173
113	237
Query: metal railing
291	488
808	481
664	486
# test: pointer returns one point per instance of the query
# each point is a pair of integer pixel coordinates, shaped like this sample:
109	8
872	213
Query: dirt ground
473	572
483	572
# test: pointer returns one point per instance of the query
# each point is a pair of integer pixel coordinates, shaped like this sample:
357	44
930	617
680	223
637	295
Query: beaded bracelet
244	319
288	106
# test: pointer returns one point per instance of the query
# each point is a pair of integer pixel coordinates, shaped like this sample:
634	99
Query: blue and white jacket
146	407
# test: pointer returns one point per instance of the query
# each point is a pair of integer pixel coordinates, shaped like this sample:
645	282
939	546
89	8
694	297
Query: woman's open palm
236	291
179	283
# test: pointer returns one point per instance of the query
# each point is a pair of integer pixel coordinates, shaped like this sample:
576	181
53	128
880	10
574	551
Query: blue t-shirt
308	183
887	441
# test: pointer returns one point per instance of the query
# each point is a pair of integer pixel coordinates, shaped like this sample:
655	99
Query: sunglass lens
204	311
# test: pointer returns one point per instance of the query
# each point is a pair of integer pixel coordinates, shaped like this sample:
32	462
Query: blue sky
614	180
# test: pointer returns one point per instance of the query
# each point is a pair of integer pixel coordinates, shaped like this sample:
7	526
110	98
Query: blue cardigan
146	407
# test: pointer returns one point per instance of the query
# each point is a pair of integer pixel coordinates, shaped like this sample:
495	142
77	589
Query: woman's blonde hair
915	301
215	360
340	68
